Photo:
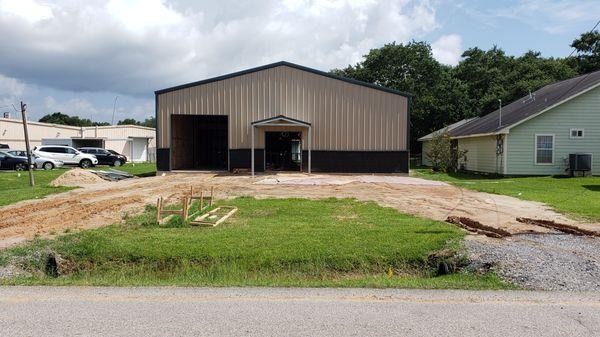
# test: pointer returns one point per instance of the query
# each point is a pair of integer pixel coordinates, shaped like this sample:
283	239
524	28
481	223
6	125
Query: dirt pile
77	177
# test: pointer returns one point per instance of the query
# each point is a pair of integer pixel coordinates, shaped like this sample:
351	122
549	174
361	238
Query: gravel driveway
541	261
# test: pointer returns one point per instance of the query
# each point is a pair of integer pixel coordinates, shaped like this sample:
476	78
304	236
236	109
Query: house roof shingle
447	128
527	106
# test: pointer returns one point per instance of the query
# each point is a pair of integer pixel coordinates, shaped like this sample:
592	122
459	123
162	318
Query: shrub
444	154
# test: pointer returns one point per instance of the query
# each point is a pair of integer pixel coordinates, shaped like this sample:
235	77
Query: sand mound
77	177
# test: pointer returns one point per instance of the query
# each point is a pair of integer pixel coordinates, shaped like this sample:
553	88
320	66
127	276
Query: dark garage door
199	142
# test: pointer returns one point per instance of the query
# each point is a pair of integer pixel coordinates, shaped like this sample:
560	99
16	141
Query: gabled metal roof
291	121
288	64
528	107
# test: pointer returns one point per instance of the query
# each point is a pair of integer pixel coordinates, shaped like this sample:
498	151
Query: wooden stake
158	208
184	216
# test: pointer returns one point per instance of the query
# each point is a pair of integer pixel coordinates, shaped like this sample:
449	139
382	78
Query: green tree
149	122
64	119
492	75
128	121
588	52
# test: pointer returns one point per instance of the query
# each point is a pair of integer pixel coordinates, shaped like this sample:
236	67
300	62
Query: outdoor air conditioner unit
580	162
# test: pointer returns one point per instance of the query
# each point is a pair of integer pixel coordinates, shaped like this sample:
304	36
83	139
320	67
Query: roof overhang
501	132
280	121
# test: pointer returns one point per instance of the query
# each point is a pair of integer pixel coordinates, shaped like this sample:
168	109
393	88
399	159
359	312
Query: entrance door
283	151
199	142
140	149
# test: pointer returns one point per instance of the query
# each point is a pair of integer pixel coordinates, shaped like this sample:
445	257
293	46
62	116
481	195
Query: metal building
136	142
282	116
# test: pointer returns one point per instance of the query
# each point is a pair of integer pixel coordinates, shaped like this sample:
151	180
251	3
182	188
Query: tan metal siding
344	116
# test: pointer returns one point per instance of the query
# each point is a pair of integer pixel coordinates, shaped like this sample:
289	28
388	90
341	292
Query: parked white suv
66	154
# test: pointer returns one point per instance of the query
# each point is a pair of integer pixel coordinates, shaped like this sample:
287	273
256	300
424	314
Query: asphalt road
73	311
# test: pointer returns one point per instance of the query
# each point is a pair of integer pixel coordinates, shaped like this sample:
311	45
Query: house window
544	149
577	133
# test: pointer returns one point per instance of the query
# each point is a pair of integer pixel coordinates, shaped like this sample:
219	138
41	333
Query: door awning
280	120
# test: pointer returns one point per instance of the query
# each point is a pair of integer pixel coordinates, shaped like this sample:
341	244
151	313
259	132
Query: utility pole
114	108
500	119
23	109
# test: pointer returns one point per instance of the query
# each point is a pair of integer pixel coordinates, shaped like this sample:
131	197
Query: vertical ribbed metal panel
344	116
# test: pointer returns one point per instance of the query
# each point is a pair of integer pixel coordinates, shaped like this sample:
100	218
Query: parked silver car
66	154
39	162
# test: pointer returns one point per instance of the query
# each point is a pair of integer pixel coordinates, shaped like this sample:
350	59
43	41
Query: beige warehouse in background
353	126
137	143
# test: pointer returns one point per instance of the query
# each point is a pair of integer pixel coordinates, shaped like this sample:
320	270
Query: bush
443	154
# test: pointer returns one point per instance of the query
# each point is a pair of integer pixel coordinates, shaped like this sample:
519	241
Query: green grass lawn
578	196
14	186
283	242
137	169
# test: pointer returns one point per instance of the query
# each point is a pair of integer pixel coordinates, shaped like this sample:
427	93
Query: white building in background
137	143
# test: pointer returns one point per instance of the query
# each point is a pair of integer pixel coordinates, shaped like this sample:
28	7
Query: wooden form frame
198	219
201	197
201	220
161	212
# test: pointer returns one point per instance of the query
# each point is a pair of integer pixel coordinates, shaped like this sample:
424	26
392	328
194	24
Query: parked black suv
105	157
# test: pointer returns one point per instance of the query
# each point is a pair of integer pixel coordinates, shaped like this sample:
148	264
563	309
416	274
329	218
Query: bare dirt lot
98	204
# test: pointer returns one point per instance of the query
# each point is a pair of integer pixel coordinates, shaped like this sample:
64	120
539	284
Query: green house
534	135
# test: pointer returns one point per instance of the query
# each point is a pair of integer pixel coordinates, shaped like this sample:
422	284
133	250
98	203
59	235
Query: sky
95	57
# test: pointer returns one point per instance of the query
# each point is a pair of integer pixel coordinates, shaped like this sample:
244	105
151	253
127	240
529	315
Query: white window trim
576	129
535	148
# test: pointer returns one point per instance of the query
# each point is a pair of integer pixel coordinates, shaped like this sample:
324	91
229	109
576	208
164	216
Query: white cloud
136	47
11	87
552	16
27	10
97	112
75	106
448	49
139	16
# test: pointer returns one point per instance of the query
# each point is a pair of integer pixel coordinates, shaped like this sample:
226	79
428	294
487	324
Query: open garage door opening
199	142
283	151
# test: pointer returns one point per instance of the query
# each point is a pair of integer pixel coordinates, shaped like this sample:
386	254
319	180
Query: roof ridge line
278	64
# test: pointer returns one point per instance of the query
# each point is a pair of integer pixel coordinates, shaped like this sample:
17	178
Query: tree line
64	119
446	94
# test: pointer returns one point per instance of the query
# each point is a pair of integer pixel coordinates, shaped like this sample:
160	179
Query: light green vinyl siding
424	159
481	154
582	112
